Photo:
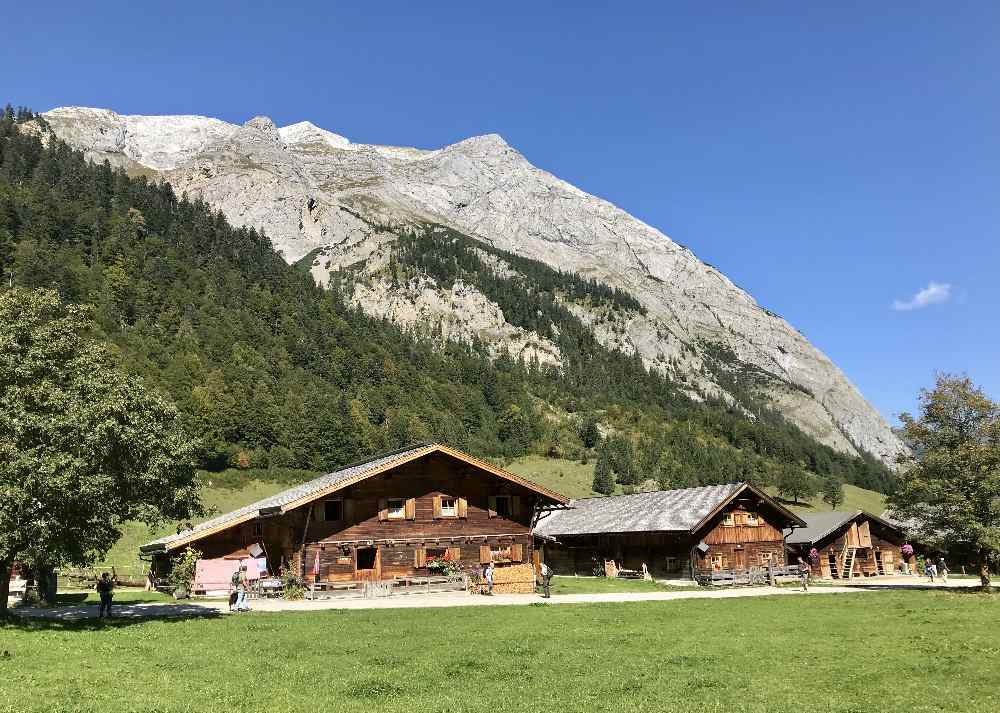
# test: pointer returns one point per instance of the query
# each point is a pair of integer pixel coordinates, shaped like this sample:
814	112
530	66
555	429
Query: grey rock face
305	187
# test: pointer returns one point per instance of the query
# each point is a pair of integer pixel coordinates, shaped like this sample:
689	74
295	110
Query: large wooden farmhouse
387	517
678	533
848	544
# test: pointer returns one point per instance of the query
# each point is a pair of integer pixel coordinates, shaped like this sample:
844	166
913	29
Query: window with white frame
449	507
397	509
728	520
752	519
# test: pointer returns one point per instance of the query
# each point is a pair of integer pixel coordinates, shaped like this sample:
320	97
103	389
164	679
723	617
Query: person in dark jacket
105	590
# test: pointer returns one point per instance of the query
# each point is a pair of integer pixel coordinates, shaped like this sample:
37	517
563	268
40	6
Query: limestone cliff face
313	191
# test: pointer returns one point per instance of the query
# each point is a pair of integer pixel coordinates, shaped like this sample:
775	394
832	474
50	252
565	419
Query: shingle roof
290	495
327	483
656	511
819	525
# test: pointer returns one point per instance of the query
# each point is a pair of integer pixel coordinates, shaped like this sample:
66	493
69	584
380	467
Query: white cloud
935	293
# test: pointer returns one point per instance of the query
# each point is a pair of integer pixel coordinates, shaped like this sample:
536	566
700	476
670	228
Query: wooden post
770	574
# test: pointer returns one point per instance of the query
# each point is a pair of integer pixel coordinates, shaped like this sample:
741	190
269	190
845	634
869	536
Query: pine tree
604	481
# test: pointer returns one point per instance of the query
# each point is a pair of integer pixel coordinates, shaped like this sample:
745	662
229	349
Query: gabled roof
822	524
330	483
683	510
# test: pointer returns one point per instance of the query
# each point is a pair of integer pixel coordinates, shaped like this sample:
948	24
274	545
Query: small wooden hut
848	544
673	533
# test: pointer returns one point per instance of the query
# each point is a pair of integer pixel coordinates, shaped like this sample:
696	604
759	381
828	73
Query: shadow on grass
84	617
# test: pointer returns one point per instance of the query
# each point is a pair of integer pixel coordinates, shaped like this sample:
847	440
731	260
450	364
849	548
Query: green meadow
840	653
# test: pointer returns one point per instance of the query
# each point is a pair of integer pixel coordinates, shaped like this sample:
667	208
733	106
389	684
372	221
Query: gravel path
461	599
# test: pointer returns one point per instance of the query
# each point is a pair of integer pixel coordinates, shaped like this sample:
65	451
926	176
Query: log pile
515	579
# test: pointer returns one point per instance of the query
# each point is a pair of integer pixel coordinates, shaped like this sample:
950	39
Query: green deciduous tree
795	483
949	490
833	492
83	446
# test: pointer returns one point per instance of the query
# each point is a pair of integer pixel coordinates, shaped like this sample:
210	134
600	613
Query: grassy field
844	653
855	498
602	585
564	476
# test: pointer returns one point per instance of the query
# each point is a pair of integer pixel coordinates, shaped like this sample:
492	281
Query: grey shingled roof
656	511
819	525
291	495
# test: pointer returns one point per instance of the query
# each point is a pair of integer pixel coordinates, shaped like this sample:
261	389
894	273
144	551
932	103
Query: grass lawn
602	585
564	476
844	653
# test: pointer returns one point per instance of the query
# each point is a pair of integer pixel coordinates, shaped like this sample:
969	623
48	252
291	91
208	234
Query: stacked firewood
513	579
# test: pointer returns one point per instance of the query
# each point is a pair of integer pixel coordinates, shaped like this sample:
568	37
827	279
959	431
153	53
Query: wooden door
865	535
853	536
741	560
367	561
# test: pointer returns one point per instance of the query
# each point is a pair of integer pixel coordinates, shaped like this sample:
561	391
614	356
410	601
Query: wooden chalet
675	533
390	516
849	544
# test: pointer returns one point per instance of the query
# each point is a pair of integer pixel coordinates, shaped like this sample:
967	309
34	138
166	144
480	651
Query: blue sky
834	162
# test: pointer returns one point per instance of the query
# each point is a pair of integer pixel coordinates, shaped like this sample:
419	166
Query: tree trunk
984	570
45	581
6	567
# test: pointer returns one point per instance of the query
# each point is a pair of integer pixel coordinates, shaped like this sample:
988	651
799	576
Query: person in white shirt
546	580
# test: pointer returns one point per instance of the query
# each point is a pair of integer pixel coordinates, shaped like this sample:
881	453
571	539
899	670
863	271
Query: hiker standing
488	573
804	574
105	590
546	580
943	569
242	586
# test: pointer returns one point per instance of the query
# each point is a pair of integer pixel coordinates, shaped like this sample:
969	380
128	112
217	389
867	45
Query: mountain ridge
313	190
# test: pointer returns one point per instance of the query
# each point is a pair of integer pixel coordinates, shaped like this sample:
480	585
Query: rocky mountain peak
310	199
262	127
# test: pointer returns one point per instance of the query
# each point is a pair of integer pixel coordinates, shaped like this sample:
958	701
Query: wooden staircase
847	571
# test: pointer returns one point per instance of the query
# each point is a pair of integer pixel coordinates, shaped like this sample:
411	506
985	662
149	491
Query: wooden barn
400	514
849	544
674	533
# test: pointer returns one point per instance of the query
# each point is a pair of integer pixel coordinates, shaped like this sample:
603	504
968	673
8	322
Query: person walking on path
242	587
931	569
942	568
105	590
804	574
546	580
488	574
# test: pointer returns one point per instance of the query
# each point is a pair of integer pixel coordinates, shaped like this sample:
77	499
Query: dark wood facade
743	533
394	524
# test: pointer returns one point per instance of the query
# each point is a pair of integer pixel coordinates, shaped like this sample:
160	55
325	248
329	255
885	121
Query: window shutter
411	509
437	506
319	512
348	510
515	506
383	509
419	557
484	554
517	552
454	553
493	505
463	507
